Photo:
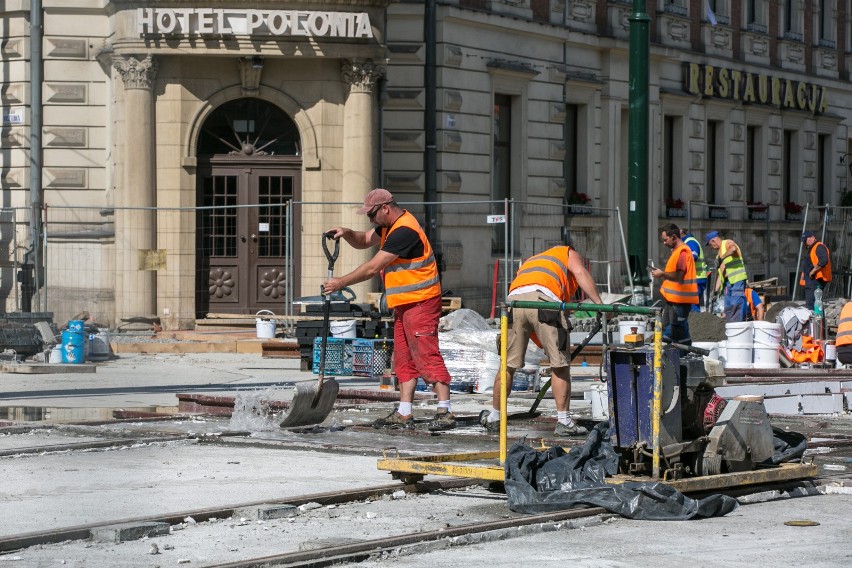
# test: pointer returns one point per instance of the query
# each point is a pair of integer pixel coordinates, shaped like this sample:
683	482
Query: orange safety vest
411	280
548	269
748	295
823	273
686	291
844	326
811	352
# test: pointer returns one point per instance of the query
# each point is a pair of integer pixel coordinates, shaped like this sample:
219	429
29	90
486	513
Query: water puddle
60	415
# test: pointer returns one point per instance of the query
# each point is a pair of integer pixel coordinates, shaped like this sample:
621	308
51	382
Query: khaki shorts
524	322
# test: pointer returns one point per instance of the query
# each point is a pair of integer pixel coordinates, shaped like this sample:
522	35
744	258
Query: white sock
404	408
564	417
445	404
494	416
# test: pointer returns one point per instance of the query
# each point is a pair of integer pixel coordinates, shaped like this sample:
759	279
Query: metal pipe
504	418
637	141
658	397
580	306
626	254
506	236
799	258
36	123
430	158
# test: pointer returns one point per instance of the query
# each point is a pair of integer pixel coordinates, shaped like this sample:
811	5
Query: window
753	163
572	117
672	146
720	10
823	188
825	23
755	16
792	20
502	171
714	159
788	172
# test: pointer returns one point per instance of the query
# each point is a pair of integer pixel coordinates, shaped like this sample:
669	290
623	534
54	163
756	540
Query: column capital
361	75
136	73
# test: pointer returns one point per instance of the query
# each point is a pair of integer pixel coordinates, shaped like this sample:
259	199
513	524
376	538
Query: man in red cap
412	289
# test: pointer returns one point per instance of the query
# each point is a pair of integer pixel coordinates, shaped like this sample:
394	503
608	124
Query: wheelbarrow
313	401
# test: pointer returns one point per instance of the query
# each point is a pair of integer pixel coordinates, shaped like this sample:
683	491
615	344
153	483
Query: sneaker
444	420
395	421
572	430
492	425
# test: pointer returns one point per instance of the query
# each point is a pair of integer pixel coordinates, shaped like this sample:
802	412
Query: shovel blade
311	404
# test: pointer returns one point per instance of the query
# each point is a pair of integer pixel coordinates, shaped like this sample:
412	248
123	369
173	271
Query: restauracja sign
733	84
224	21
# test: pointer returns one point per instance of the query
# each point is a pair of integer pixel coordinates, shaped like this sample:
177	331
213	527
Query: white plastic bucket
739	333
766	355
739	356
344	329
767	332
599	395
711	346
265	327
625	327
830	351
55	355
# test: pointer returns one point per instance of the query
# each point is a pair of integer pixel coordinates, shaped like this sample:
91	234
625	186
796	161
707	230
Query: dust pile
704	326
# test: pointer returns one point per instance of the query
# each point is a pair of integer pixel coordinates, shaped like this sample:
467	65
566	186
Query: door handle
242	238
254	238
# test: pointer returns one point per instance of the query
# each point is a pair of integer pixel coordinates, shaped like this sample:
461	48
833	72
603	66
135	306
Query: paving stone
266	512
129	531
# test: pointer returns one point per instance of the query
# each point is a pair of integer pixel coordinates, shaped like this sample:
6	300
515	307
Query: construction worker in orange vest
413	290
844	335
816	268
756	307
679	286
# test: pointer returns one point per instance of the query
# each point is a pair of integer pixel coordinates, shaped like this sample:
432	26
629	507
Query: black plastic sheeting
555	480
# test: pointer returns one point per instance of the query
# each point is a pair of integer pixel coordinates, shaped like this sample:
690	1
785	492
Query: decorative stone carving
66	92
14	94
556	187
361	75
13	48
736	163
452	141
404	181
452	56
582	11
678	31
66	177
250	70
697	129
557	113
403	140
774	167
775	136
810	169
137	74
12	136
64	137
721	38
453	100
810	140
557	150
796	54
66	47
827	59
737	132
403	98
452	181
11	179
759	46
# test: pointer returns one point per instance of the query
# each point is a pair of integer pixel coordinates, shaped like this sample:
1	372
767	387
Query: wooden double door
246	244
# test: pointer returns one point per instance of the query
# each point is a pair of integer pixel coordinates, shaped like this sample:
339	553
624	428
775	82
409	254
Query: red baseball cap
376	197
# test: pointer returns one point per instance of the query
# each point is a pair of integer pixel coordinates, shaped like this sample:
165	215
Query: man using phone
679	286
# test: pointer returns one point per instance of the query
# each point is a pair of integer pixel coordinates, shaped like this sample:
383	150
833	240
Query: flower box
792	216
758	215
675	212
718	213
580	210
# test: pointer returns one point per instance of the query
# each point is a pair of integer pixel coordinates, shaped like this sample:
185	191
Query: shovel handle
332	257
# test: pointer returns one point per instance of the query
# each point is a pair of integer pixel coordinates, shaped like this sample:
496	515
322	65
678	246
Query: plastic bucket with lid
739	333
599	395
767	342
711	346
625	328
739	356
73	346
344	329
830	352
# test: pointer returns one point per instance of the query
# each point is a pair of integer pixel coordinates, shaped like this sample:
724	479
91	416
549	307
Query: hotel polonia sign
225	21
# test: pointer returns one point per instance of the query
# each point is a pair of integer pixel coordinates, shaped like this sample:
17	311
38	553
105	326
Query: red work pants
415	342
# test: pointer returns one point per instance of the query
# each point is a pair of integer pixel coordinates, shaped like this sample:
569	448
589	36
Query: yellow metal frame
457	465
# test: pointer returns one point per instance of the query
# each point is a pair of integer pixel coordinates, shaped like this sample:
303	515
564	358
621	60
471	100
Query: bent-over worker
731	276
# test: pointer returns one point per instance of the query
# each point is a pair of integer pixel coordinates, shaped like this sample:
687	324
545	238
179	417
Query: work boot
395	421
444	420
573	430
492	426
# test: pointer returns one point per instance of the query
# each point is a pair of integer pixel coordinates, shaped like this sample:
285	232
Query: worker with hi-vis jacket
731	276
679	286
844	335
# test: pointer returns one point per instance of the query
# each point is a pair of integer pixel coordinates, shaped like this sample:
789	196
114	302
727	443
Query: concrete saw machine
700	432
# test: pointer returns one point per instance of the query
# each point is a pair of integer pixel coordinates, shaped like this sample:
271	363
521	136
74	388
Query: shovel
313	402
533	412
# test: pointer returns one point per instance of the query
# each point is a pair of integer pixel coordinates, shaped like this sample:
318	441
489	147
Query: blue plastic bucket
75	325
73	345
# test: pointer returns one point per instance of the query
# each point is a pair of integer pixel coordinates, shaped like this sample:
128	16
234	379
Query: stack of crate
371	357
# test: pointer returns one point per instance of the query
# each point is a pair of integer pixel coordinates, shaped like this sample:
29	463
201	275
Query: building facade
194	152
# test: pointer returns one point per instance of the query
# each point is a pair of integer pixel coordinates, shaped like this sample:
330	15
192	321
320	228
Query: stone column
135	194
359	155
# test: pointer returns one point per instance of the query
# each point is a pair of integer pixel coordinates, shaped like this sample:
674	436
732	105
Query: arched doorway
249	170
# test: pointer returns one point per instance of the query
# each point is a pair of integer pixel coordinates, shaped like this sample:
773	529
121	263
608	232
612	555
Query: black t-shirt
403	242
